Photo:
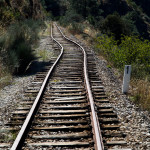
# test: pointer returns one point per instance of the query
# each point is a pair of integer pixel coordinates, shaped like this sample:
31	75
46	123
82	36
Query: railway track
66	106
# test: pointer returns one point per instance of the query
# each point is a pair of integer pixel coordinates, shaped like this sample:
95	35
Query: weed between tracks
44	55
56	80
7	136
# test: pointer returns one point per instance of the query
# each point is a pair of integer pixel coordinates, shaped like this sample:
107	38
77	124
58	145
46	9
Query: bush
73	21
113	24
70	17
16	43
132	51
76	28
97	22
118	26
8	15
129	21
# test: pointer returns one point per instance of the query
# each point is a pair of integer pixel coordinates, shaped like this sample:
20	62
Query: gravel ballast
11	95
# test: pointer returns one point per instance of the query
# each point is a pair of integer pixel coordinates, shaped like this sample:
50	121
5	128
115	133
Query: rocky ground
11	95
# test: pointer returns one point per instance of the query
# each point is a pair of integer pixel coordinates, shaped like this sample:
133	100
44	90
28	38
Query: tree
113	24
86	7
53	7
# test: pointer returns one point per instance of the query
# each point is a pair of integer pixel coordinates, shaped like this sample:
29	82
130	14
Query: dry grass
141	93
5	76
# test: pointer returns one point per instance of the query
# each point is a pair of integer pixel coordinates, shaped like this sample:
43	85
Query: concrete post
126	79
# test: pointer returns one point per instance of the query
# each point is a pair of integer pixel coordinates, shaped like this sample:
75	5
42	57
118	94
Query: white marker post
126	79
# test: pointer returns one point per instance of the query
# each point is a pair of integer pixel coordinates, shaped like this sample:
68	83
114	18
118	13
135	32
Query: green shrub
76	28
117	26
97	21
16	44
113	24
135	6
129	21
70	17
8	15
132	51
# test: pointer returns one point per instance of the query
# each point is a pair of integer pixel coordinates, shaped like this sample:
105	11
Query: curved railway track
70	106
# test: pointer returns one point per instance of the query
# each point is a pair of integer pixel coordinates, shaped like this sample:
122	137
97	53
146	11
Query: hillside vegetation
20	22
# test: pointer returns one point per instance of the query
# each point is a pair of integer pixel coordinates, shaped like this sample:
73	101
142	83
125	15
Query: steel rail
97	132
22	133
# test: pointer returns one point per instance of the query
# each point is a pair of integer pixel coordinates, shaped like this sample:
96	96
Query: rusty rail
95	123
20	137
